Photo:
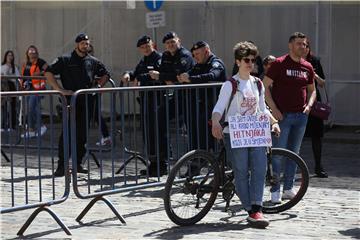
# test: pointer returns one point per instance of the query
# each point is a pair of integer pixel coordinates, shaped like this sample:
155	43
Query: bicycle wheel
191	188
301	181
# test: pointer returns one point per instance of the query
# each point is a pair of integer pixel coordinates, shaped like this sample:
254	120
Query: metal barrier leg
35	213
5	156
133	156
95	159
92	202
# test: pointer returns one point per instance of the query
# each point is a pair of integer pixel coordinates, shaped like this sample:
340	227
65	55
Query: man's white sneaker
276	197
288	194
29	134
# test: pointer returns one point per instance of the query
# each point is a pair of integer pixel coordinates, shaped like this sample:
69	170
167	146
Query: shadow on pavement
353	233
229	223
92	223
28	178
180	232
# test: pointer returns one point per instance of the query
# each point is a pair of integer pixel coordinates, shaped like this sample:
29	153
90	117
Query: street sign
153	5
155	19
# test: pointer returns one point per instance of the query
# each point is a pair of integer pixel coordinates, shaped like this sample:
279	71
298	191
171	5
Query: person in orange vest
34	66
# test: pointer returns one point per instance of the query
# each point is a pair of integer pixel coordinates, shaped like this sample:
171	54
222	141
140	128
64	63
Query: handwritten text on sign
250	130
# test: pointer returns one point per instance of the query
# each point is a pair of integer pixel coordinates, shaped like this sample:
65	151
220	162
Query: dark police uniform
146	64
77	73
211	71
171	66
152	107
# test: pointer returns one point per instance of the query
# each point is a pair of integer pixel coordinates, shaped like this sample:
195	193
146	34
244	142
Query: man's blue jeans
292	129
249	167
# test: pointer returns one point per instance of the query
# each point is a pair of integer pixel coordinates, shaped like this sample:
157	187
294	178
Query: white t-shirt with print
246	101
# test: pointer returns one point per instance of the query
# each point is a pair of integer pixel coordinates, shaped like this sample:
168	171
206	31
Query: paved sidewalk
329	210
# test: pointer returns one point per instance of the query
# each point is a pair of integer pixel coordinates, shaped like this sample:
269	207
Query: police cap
169	35
81	37
198	45
143	40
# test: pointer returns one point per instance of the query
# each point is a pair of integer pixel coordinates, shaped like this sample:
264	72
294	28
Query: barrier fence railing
149	129
156	125
27	178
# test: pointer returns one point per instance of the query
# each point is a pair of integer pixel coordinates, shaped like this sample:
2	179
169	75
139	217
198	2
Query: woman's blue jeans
33	116
292	129
249	167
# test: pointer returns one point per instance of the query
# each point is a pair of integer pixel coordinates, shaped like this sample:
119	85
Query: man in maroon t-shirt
290	93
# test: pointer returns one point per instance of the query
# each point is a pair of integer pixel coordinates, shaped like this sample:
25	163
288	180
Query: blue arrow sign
153	5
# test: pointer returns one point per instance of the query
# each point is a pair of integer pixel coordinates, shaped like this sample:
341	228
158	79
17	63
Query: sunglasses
247	60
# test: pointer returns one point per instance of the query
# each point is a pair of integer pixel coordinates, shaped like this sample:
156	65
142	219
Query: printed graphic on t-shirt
296	73
248	105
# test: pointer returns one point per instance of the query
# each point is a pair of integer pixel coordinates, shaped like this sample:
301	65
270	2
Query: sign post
154	19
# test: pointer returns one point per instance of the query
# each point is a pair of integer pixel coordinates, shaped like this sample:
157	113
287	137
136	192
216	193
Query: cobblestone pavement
329	210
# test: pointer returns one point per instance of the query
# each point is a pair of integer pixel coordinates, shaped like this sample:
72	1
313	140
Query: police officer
77	71
150	107
151	61
208	68
175	60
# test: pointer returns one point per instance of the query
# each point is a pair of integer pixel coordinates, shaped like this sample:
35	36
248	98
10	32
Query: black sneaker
153	171
321	173
60	172
80	169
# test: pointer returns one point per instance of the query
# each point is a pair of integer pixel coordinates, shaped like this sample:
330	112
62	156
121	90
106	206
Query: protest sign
249	131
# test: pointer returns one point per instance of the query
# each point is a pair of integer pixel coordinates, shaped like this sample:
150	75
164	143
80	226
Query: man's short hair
143	40
169	35
244	49
296	35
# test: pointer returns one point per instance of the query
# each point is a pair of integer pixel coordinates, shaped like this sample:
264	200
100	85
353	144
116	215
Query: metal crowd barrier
140	118
179	114
27	177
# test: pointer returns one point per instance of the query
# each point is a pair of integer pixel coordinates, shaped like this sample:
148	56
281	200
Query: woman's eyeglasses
247	60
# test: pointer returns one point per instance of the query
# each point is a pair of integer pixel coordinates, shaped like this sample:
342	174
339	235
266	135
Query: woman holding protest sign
241	108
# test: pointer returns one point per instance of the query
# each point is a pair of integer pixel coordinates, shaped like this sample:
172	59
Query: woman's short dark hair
244	49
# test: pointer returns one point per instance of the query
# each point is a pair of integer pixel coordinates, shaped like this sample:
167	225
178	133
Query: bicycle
195	180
